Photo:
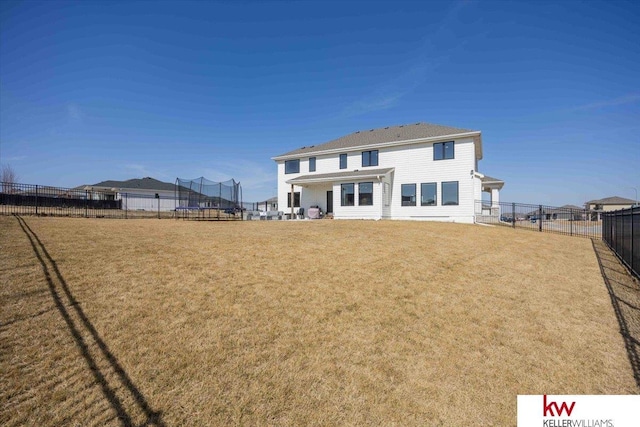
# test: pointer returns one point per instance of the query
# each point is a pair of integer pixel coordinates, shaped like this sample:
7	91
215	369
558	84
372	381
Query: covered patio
492	186
322	191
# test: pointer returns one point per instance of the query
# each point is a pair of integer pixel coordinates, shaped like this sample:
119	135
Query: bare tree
8	177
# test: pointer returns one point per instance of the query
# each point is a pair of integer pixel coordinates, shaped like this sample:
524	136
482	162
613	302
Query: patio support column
495	197
292	199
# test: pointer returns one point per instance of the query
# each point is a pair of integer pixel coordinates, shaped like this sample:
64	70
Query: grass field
159	322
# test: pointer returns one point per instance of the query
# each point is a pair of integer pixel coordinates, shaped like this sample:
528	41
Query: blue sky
91	91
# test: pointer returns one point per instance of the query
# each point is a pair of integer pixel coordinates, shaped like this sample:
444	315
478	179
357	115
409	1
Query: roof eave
331	179
387	144
313	180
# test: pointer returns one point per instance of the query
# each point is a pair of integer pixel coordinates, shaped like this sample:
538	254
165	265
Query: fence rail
621	231
43	200
571	221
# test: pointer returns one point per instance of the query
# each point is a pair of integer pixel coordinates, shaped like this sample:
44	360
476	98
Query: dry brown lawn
164	322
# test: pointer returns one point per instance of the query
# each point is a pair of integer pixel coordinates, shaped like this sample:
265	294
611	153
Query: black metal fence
621	231
87	202
43	200
567	220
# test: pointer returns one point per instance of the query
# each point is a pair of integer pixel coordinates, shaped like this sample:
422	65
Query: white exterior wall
386	199
140	199
358	212
477	194
284	189
413	164
608	208
314	195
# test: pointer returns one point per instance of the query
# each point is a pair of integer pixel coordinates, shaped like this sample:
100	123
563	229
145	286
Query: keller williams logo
548	408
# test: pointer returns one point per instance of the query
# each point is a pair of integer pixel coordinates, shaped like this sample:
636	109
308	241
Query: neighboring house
419	171
268	205
566	212
609	204
136	194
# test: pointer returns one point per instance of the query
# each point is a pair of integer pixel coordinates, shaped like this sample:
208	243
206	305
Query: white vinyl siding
143	199
316	195
415	164
358	212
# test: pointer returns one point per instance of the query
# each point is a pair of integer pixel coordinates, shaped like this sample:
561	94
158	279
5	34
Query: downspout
379	178
473	188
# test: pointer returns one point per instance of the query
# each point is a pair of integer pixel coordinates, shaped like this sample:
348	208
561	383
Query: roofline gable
388	144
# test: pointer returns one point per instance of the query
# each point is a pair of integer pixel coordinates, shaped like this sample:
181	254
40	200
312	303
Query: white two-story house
420	171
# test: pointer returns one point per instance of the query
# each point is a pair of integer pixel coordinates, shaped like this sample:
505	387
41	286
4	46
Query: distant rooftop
146	183
615	200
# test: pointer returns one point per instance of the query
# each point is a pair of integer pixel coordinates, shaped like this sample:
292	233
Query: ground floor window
347	195
365	194
450	193
428	194
296	199
408	194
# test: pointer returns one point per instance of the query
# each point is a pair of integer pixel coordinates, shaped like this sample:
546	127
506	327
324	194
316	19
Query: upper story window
292	166
370	158
408	194
443	150
312	164
343	161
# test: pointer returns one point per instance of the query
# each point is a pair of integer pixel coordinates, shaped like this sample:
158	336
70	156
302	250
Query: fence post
620	250
622	234
571	217
632	238
513	215
36	200
540	218
126	205
86	200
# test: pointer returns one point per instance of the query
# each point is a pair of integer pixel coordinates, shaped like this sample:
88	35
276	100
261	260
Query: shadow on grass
59	289
624	291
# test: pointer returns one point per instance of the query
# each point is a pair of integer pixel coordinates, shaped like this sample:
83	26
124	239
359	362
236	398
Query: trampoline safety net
201	194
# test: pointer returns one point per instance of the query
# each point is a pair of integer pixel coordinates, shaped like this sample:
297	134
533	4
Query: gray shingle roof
615	200
147	183
571	207
382	135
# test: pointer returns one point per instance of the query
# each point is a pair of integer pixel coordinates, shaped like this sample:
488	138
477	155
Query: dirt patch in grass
297	323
